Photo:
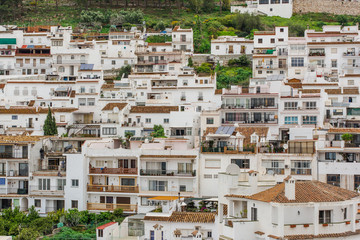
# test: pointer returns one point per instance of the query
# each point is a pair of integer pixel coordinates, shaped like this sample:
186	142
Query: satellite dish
116	110
271	172
7	106
233	169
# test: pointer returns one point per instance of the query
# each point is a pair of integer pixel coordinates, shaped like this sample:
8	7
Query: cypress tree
50	128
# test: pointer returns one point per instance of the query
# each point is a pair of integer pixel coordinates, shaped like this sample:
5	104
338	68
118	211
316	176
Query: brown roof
218	91
160	44
2	85
33	110
156	218
111	106
245	131
350	91
259	233
305	191
19	138
333	91
311	90
168	156
328	235
344	130
192	217
154	109
31	103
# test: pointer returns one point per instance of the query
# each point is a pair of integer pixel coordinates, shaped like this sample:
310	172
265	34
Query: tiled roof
160	44
2	85
108	86
19	138
177	232
154	109
259	233
192	217
350	91
218	91
344	130
333	91
156	218
305	191
168	156
111	106
31	103
311	90
106	225
33	110
274	237
329	235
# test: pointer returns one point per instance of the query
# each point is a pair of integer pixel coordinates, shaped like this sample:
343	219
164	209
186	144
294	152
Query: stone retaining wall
338	7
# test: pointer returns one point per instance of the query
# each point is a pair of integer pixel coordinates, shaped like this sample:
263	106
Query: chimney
253	181
290	188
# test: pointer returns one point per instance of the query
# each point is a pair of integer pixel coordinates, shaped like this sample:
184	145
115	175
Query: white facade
281	8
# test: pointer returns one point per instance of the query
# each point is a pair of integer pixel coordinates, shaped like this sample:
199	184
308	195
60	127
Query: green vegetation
50	127
158	132
159	39
347	137
123	72
227	76
78	225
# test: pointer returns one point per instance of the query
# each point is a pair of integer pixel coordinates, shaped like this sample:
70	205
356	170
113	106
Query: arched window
59	60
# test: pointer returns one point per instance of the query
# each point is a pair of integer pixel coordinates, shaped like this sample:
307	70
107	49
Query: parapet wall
338	7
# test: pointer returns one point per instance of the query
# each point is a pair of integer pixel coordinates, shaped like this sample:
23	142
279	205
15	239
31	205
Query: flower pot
357	221
293	226
347	222
325	224
306	225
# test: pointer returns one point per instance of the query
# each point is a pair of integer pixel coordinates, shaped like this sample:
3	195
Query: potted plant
325	224
292	226
347	222
306	225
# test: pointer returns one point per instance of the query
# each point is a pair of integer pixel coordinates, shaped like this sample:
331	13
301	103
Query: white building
281	8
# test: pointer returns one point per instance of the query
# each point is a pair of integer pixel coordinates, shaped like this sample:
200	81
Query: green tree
196	5
190	62
50	128
72	217
158	132
160	26
347	137
28	234
124	72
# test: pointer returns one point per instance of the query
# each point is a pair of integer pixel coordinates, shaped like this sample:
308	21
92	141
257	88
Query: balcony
112	188
47	190
113	170
317	53
147	62
112	207
278	171
20	191
159	172
300	171
16	173
16	155
227	150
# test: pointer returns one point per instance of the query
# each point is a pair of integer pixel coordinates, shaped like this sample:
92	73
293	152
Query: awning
7	41
164	198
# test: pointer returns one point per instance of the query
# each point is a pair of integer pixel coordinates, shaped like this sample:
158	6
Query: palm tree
128	135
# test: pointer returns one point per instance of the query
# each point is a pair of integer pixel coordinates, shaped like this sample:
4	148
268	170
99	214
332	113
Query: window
242	163
62	118
185	82
166	120
334	63
301	167
280	39
74	182
309	119
61	184
333	179
291	120
100	233
185	168
14	117
324	216
356	181
260	40
127	182
74	204
272	40
217	47
351	82
334	50
37	203
274	166
297	62
148	120
44	184
91	101
345	213
109	131
209	120
152	235
310	105
155	185
209	234
290	105
182	188
207	176
330	156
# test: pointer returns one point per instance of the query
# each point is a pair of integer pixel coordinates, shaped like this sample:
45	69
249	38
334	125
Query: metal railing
113	170
112	206
112	188
159	172
300	171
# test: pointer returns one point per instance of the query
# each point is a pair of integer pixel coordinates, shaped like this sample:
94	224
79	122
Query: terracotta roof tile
156	218
329	235
168	156
344	130
106	225
160	44
311	90
218	91
259	233
111	106
31	103
305	191
2	85
333	91
192	217
350	91
108	86
19	138
154	109
33	110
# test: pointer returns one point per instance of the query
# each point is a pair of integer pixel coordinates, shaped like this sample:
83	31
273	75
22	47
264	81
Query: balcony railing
13	155
112	206
112	188
159	172
52	168
228	149
16	173
278	171
17	191
113	170
299	171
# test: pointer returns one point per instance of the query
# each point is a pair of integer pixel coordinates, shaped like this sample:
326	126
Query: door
59	204
253	214
122	200
30	122
23	169
163	168
231	49
72	70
